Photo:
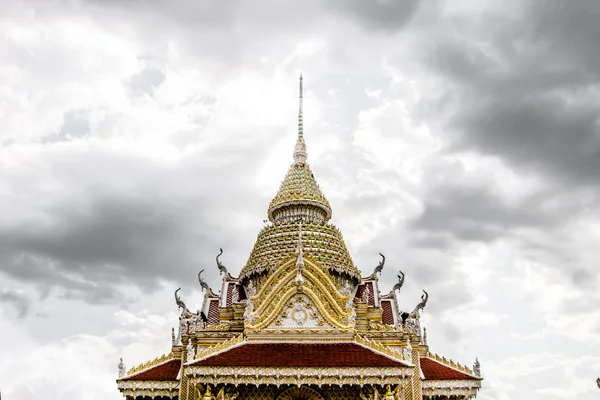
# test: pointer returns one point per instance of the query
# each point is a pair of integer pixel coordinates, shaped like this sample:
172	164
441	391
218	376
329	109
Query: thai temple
300	321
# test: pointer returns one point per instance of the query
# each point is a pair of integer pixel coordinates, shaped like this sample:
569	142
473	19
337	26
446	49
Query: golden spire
300	154
300	205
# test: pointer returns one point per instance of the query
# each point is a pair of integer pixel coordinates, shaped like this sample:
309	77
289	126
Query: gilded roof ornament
477	367
121	367
400	282
378	268
202	282
421	305
180	302
204	285
222	269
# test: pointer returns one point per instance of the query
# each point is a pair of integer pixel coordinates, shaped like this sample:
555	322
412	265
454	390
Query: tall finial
300	116
300	154
299	249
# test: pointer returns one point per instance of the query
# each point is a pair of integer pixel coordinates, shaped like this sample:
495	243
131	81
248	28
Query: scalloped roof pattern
299	186
322	243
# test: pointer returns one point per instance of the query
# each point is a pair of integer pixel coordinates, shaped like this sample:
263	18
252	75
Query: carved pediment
300	298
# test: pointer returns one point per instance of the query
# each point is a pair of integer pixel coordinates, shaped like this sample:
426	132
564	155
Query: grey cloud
147	226
550	135
76	124
146	81
16	299
527	94
477	214
384	15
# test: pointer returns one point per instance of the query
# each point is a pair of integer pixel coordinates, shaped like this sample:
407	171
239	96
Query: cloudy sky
462	139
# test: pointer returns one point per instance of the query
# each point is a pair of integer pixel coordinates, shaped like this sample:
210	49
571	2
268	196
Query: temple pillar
362	325
183	381
194	341
415	343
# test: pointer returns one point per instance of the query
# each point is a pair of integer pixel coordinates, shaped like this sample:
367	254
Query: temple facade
300	322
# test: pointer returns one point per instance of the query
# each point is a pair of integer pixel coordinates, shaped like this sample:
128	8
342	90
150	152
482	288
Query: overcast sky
461	139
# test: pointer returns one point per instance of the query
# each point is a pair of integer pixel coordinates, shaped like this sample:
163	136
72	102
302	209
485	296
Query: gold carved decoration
318	286
300	393
218	347
258	376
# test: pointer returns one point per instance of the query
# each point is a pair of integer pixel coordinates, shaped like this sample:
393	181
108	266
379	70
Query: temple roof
434	370
300	355
166	371
299	188
323	243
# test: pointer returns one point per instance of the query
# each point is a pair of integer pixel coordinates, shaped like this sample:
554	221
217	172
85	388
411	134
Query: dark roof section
434	370
300	355
229	297
361	290
388	314
166	371
214	315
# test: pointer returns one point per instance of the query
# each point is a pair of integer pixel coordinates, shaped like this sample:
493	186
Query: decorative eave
466	388
298	376
150	389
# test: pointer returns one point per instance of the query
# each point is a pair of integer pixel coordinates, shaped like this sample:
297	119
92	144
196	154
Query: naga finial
421	305
121	367
222	269
400	282
379	266
477	370
180	302
202	282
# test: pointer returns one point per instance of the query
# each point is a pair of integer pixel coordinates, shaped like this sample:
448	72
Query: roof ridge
381	349
456	367
220	348
148	365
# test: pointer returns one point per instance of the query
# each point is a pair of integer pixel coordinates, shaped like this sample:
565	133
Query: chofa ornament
222	269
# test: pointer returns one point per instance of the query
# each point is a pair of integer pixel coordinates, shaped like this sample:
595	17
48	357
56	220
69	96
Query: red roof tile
300	355
229	298
163	372
214	315
388	315
361	290
434	370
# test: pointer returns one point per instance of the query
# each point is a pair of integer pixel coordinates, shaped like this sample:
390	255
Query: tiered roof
300	313
299	188
316	355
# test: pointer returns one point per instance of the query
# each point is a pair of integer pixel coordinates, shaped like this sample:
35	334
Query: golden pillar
415	343
183	381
